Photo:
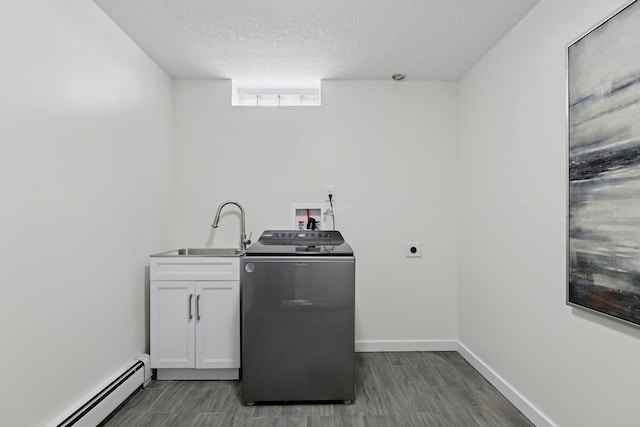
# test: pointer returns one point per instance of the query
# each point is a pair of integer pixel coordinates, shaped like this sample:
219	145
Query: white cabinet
195	324
218	324
172	324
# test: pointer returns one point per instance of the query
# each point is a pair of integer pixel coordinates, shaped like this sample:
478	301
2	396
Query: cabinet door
172	325
218	324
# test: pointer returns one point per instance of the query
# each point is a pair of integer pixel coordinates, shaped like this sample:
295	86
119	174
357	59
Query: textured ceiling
298	40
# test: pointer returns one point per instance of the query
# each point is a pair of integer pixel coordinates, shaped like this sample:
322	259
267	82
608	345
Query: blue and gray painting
604	168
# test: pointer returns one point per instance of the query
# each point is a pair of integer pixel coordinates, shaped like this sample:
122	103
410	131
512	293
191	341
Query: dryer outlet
413	249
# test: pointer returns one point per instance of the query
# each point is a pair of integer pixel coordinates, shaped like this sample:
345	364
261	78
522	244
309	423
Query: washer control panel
301	237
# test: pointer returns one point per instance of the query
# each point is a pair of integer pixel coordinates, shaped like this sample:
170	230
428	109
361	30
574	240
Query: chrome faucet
243	237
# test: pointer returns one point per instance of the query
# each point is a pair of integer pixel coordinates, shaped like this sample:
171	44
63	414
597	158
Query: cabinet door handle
198	308
190	305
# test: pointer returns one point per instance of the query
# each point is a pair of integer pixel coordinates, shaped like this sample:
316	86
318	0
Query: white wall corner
405	345
527	408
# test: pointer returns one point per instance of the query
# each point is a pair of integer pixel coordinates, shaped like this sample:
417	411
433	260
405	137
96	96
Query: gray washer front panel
298	328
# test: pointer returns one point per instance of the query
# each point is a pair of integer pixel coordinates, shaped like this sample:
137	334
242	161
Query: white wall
577	368
85	185
388	147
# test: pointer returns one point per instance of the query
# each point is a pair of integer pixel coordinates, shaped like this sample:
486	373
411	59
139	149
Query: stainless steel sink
223	252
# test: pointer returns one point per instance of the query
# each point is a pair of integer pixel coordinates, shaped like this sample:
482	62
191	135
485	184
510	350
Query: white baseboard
101	401
405	345
529	410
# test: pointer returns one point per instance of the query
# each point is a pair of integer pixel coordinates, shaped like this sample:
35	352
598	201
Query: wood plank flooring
437	389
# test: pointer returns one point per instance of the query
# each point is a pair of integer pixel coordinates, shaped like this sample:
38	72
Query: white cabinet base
195	317
198	374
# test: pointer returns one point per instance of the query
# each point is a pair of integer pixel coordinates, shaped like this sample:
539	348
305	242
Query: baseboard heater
106	400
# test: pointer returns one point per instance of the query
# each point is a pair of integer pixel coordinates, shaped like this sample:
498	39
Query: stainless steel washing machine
298	298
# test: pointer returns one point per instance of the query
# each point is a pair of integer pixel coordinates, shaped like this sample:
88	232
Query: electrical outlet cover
413	249
330	189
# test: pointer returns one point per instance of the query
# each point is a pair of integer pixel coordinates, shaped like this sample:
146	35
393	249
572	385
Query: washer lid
300	242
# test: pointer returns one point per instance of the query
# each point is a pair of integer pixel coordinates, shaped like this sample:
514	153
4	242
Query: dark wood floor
392	389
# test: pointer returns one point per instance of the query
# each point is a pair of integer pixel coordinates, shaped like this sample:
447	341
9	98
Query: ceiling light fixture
398	77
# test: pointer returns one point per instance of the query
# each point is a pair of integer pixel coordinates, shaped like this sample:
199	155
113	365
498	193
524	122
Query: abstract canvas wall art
604	167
